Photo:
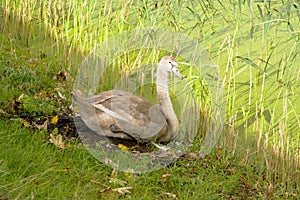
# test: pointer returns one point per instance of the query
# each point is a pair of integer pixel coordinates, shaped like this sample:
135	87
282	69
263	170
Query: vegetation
256	47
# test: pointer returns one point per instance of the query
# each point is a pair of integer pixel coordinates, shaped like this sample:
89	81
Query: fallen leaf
36	96
41	126
57	141
165	177
54	119
25	122
123	147
170	195
20	97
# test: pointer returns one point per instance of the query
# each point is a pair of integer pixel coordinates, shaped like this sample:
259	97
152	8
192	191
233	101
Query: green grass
256	47
30	166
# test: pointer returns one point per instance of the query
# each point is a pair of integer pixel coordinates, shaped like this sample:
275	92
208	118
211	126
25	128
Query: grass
256	46
40	170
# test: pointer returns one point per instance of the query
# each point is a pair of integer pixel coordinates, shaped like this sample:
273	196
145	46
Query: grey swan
122	115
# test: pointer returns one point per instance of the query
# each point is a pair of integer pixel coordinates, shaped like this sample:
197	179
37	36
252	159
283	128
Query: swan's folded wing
133	115
95	119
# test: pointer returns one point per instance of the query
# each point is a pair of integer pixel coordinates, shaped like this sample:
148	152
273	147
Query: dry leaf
123	147
41	126
25	122
165	177
20	97
54	119
36	96
170	195
57	141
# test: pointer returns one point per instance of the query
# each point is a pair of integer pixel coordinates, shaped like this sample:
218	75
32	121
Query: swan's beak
176	71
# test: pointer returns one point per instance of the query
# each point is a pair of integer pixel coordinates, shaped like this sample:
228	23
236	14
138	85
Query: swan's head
168	63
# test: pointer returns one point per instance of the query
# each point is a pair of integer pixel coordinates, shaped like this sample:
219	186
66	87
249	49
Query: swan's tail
80	101
86	110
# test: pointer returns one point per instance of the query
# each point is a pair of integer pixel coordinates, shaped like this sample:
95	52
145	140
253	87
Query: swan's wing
133	115
95	119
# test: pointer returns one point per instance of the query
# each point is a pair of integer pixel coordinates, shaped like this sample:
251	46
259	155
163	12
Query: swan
122	115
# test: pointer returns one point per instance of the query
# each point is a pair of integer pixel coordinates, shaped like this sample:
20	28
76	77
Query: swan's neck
165	103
